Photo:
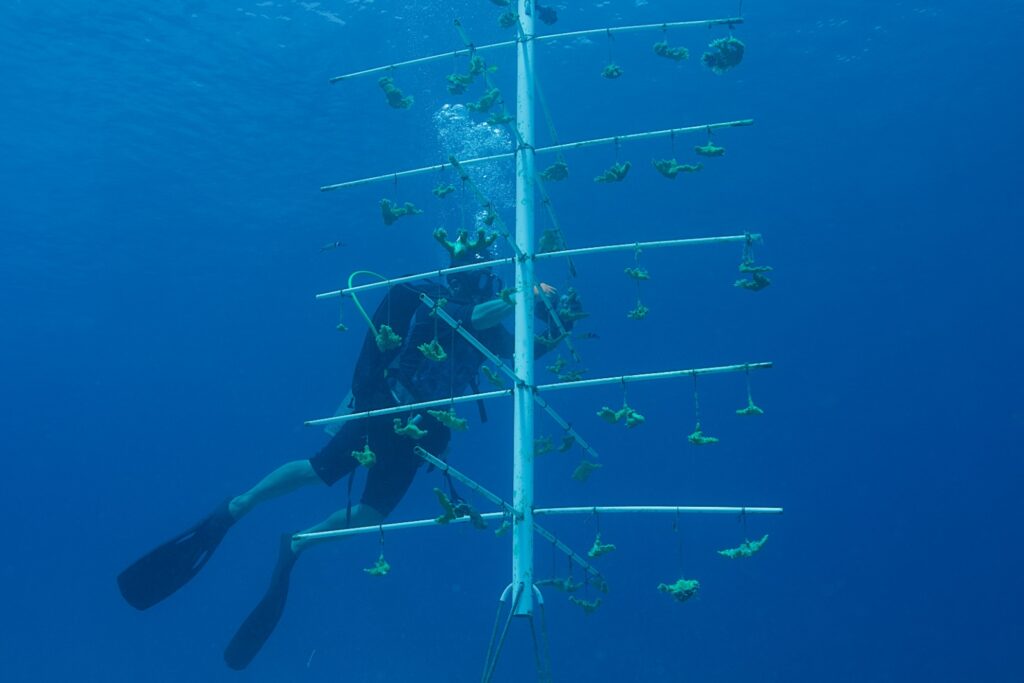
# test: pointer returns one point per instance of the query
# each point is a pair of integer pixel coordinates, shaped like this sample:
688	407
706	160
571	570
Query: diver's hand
570	309
544	287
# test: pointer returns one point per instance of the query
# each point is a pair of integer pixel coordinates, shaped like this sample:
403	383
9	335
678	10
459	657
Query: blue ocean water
161	346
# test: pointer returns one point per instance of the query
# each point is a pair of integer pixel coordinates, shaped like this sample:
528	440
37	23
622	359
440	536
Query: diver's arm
490	313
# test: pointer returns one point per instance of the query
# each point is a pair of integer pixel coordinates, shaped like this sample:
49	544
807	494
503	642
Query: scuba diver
381	379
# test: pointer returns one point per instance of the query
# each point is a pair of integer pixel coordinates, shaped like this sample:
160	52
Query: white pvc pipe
334	294
657	244
538	39
522	396
501	365
410	407
623	379
552	512
681	509
541	150
630	246
647	377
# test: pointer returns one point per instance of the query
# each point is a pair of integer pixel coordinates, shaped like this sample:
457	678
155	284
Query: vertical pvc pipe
522	443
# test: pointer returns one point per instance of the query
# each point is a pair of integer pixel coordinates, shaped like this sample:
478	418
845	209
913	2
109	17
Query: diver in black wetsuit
409	377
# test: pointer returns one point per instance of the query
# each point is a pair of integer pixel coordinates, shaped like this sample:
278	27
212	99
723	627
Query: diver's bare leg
288	477
362	515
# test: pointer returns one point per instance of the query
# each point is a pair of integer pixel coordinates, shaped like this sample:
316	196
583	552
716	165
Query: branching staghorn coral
396	98
745	549
366	457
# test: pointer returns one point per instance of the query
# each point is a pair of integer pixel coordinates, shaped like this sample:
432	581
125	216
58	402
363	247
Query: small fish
331	245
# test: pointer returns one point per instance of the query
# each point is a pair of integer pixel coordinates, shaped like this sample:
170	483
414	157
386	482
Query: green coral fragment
396	98
505	527
433	350
409	429
549	341
478	66
463	248
341	327
508	19
638	313
366	457
492	376
439	303
568	441
745	549
599	548
755	283
551	240
555	172
443	190
612	71
449	513
751	409
572	375
723	54
588	606
616	173
458	83
379	568
391	211
485	102
697	438
543	445
682	590
500	119
709	150
637	273
450	420
676	54
748	266
584	470
633	418
670	169
386	338
557	366
455	510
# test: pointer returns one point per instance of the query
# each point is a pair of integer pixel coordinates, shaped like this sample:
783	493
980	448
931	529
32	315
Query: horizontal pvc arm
660	509
623	379
630	246
407	408
391	177
538	39
551	512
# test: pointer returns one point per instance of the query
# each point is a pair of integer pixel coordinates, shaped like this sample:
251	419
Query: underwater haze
164	237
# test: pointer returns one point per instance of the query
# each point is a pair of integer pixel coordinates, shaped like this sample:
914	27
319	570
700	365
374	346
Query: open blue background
160	345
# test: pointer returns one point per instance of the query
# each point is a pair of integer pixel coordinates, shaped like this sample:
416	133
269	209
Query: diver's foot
162	571
257	627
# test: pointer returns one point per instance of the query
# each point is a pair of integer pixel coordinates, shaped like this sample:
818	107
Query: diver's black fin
162	571
260	623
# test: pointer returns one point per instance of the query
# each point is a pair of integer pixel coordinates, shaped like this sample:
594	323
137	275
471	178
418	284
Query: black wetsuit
410	378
